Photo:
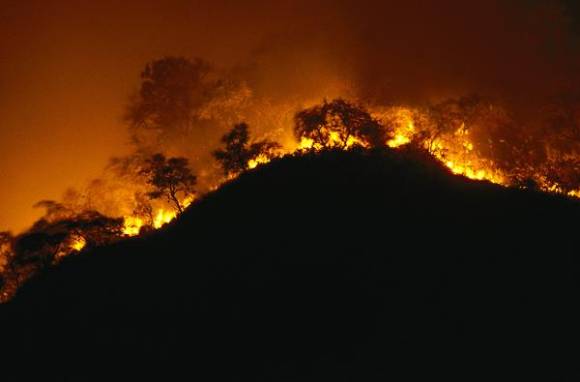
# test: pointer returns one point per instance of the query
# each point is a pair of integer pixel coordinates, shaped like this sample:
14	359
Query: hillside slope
337	266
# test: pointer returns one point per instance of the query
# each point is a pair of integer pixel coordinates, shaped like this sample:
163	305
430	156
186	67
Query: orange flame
132	224
78	243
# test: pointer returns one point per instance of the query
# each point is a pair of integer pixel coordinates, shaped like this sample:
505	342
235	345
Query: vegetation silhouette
182	100
339	123
50	239
171	90
238	152
169	178
336	265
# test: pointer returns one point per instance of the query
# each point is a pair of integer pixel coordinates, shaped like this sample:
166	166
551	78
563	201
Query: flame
458	155
78	243
403	124
163	217
260	159
132	224
455	150
398	140
305	144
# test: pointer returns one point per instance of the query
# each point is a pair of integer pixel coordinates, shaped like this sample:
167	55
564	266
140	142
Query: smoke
66	77
519	54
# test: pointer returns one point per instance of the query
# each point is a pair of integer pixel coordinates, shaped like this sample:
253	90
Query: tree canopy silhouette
172	88
51	238
169	178
235	157
339	123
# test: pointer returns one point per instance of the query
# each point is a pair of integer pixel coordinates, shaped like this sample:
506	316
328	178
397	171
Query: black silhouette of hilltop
342	266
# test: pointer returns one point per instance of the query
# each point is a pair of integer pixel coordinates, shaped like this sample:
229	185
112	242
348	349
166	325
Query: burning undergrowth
184	107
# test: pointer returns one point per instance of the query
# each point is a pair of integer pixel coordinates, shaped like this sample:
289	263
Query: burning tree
51	238
92	229
169	178
339	124
239	154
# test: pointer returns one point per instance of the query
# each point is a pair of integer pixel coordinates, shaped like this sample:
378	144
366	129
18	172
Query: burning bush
338	124
169	178
239	154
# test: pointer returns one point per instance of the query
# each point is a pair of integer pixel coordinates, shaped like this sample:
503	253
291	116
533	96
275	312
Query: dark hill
342	266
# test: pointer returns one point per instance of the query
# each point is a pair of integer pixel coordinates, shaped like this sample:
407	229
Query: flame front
132	224
260	159
455	148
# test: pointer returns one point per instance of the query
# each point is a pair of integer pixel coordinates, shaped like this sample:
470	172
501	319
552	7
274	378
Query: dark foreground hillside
341	267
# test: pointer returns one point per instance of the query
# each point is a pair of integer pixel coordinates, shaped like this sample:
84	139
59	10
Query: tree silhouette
172	88
14	270
169	178
339	124
49	240
238	152
95	228
39	248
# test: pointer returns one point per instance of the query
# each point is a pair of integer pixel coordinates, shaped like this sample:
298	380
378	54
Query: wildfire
132	224
78	243
261	159
305	144
458	155
403	124
163	217
454	150
334	141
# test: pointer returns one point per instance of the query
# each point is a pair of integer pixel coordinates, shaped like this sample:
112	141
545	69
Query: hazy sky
67	67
